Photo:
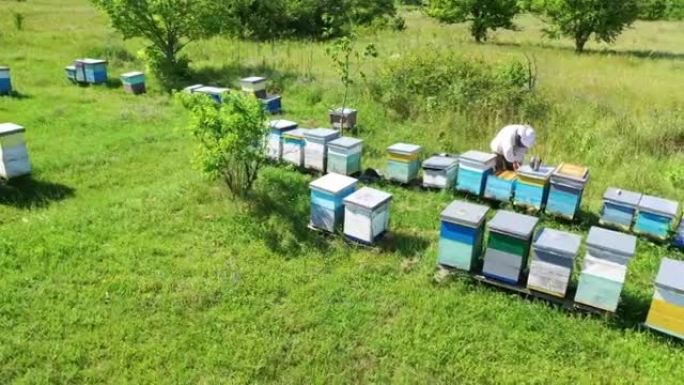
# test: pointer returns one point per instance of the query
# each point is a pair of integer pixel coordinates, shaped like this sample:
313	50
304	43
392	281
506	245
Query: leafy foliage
580	19
661	9
231	138
484	15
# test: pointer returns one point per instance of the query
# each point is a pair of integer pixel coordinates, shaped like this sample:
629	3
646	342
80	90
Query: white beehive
14	160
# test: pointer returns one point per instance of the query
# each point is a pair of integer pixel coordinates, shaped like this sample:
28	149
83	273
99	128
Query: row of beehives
94	71
14	159
510	240
253	85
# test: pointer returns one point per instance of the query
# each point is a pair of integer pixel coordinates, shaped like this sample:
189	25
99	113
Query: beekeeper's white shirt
505	143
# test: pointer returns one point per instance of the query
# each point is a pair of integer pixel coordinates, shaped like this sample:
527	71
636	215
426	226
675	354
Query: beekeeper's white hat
527	136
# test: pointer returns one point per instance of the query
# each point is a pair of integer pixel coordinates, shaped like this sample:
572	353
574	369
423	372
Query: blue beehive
272	104
501	186
92	71
619	208
134	82
679	236
461	233
473	169
327	200
5	81
566	189
656	217
532	188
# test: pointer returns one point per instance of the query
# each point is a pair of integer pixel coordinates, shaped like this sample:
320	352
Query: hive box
327	195
605	267
440	172
215	93
679	236
619	208
193	88
508	245
133	82
14	160
656	217
553	259
274	142
366	215
344	155
5	81
93	71
293	146
474	167
461	233
501	186
343	118
403	163
565	193
532	187
316	147
254	85
272	104
667	308
70	73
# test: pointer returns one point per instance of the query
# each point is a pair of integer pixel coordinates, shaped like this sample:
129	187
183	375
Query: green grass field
120	263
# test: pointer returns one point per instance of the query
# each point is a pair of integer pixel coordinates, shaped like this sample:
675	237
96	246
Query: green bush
420	84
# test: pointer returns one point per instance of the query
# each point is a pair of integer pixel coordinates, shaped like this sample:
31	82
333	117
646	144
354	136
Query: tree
580	19
231	138
484	15
168	26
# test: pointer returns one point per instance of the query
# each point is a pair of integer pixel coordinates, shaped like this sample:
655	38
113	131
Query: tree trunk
580	42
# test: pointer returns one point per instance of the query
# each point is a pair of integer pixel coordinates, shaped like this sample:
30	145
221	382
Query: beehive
274	142
70	73
656	217
403	163
5	81
366	215
667	308
501	186
272	104
474	167
532	188
134	82
461	233
679	236
93	71
193	88
553	259
508	246
440	172
14	159
566	190
293	146
327	195
316	147
605	268
344	155
619	208
343	118
215	93
254	85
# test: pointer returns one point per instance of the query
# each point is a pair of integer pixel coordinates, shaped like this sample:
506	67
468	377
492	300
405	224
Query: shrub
231	138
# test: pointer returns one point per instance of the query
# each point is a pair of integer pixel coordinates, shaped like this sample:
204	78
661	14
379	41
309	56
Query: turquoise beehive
133	82
461	233
327	200
403	164
473	169
619	208
501	186
5	81
532	188
344	155
566	189
656	217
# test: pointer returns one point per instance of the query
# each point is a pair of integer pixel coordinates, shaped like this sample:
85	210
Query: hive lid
253	79
345	142
131	74
322	134
4	68
345	111
368	198
514	224
282	125
660	206
212	90
297	133
478	156
465	213
404	148
620	243
333	183
91	61
627	198
440	162
544	172
10	128
566	244
71	67
193	88
671	274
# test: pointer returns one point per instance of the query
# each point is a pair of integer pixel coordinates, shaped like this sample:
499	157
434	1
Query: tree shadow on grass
229	76
28	192
14	94
641	54
405	243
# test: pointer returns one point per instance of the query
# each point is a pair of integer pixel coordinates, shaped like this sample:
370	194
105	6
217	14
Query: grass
121	264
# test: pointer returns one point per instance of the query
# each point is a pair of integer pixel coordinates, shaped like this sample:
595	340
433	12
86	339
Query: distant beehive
679	236
366	215
14	159
316	147
5	81
508	246
473	169
274	145
553	259
501	186
327	200
667	308
91	71
440	172
343	118
293	146
70	73
404	162
656	217
532	188
605	268
461	235
619	208
134	82
217	94
566	190
344	155
256	86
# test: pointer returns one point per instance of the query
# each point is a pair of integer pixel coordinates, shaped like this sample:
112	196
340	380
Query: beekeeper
511	144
